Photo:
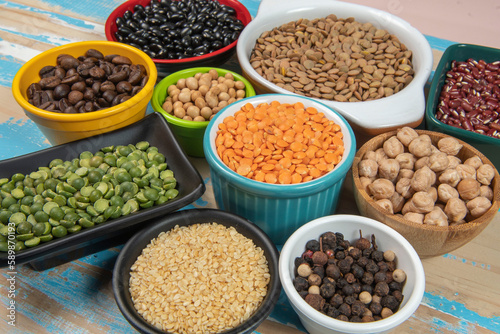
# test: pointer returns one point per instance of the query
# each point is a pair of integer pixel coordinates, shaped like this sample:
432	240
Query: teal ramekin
278	209
461	52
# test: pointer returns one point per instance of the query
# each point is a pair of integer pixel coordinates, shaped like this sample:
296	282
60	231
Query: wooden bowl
428	240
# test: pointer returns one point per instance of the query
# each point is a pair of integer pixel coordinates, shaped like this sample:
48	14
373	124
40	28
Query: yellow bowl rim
60	117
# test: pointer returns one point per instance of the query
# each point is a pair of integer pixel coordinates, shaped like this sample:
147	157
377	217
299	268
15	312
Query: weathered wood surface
462	288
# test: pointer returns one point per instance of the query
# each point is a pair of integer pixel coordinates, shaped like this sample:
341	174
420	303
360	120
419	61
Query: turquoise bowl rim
280	190
450	54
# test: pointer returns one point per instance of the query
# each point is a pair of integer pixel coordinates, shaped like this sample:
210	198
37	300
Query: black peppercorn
381	289
350	278
363	260
336	300
332	312
300	283
319	270
382	266
367	278
357	308
377	256
355	253
398	295
357	287
344	266
347	290
298	261
349	300
380	276
390	302
340	255
303	293
355	318
376	308
345	309
330	239
357	271
342	317
327	290
368	288
371	267
395	286
328	280
312	245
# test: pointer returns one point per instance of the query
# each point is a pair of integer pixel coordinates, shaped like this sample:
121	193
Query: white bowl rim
349	327
409	102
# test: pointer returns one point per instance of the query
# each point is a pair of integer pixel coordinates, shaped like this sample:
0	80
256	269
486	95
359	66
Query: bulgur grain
202	278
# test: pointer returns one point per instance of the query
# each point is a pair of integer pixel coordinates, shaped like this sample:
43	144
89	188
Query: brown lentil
333	58
201	278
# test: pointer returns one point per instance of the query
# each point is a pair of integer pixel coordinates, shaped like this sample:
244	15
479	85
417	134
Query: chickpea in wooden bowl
437	191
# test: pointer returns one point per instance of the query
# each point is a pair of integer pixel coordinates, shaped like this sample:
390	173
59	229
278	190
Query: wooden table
462	288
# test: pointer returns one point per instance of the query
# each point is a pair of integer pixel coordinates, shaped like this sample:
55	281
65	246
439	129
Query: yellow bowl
61	128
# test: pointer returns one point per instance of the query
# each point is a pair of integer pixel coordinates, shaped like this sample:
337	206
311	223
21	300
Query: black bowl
134	247
154	129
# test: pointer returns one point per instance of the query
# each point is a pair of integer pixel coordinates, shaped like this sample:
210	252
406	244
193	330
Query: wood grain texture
462	292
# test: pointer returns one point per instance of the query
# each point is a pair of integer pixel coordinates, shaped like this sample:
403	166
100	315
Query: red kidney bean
470	97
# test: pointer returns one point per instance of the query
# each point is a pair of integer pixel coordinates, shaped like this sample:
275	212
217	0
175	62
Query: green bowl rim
186	73
432	99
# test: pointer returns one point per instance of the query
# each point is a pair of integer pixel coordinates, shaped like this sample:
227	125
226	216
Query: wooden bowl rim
471	225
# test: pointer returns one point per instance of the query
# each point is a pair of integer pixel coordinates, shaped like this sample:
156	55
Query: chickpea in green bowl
188	99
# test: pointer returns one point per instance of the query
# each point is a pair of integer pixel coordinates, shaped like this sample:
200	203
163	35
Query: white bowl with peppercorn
350	274
285	61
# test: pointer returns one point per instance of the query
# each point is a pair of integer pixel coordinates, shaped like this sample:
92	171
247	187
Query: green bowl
461	52
189	134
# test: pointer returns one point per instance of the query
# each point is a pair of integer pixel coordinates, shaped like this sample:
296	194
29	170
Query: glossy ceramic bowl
133	248
369	117
61	128
279	209
168	66
387	238
189	133
461	52
428	240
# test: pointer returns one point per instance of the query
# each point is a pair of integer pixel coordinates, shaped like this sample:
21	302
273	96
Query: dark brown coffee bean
71	79
88	94
49	82
135	77
60	72
103	103
120	60
97	73
75	96
80	104
117	99
94	53
63	104
46	71
107	85
118	76
47	96
126	87
89	106
144	81
79	86
70	110
107	68
96	87
61	91
69	62
34	87
36	99
136	90
110	57
49	106
109	95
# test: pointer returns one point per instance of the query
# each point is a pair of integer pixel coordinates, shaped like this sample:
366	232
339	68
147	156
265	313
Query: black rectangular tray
154	129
